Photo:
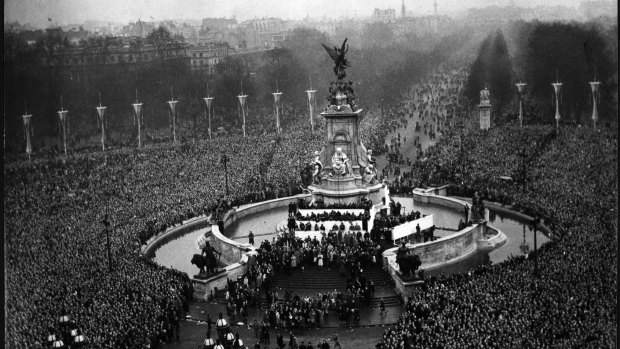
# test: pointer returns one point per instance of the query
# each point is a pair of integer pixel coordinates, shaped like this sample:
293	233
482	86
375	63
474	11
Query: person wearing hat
292	343
280	341
256	328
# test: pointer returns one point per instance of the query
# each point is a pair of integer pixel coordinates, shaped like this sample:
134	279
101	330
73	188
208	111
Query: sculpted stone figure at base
484	96
340	163
367	164
317	168
370	174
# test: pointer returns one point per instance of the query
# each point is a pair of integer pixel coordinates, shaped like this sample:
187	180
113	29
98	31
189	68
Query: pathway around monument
407	148
193	331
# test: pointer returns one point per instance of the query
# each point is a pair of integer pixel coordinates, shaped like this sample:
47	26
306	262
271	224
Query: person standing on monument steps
209	253
417	233
402	250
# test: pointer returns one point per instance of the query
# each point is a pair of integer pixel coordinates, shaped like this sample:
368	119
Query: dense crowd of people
289	310
350	253
58	212
55	209
570	300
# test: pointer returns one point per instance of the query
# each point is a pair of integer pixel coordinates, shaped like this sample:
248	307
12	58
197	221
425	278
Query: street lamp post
172	103
101	112
310	94
534	227
209	102
276	100
521	89
224	160
557	89
137	108
62	118
208	343
27	118
595	85
242	99
222	327
229	338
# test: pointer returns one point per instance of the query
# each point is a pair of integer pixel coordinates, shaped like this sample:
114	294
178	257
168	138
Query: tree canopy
492	69
569	53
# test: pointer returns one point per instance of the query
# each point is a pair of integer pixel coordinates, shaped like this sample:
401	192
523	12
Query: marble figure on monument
370	174
367	164
484	96
317	168
340	163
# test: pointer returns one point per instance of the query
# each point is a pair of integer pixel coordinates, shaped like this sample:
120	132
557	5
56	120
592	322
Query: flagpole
101	111
137	108
62	114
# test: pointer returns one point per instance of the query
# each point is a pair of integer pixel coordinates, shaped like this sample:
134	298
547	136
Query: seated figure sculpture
340	163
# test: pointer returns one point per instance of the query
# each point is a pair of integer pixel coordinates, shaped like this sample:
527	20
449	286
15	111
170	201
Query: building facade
207	56
385	16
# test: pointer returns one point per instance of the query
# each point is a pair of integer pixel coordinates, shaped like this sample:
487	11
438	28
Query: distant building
262	33
87	61
385	16
140	29
205	57
219	23
423	25
594	9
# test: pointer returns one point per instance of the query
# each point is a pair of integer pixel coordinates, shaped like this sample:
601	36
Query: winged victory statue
337	54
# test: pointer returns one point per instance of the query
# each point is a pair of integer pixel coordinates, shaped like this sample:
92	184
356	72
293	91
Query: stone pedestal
342	124
485	116
350	194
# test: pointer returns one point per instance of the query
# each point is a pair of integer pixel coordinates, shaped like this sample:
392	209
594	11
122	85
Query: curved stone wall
443	251
440	252
155	241
235	255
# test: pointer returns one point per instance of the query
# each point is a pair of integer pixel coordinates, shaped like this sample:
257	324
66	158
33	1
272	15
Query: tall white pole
62	116
521	88
242	99
172	103
27	120
209	102
310	94
276	101
595	85
137	107
557	88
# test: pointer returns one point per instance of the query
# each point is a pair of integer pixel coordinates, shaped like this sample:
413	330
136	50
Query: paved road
372	324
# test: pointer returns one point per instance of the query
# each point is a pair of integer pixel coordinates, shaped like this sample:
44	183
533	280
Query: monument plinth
485	110
344	170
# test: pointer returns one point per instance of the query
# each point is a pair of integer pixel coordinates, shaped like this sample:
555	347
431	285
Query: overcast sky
64	12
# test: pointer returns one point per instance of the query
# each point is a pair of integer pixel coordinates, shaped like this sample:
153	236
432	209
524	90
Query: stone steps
312	280
326	278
